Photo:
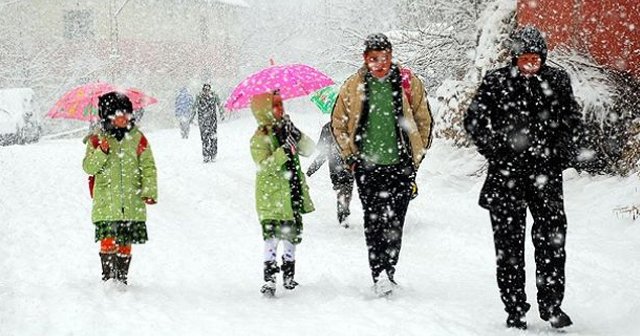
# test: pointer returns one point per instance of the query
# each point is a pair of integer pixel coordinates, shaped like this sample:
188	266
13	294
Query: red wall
608	29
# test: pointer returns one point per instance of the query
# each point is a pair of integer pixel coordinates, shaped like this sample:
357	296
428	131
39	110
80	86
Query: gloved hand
281	133
294	132
149	200
104	145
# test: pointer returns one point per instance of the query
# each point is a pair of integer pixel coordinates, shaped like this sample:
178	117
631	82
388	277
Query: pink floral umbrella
81	102
292	80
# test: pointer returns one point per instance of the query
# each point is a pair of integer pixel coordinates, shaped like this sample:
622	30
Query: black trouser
385	192
508	218
209	136
344	191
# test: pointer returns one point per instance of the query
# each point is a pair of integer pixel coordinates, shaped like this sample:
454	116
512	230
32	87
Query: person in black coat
525	121
207	106
341	176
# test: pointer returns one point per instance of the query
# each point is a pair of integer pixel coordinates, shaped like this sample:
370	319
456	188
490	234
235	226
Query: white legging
271	249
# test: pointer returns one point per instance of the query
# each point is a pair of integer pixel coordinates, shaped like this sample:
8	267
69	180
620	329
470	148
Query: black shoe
516	320
288	272
557	318
123	262
270	270
268	289
290	284
108	261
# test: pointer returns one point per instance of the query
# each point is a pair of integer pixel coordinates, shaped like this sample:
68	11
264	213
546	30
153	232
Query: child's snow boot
123	262
108	261
270	270
288	271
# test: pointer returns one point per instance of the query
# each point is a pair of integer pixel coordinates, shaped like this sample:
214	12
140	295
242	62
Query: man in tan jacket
382	124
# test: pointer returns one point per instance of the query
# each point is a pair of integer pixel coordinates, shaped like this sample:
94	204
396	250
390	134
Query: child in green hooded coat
119	159
282	194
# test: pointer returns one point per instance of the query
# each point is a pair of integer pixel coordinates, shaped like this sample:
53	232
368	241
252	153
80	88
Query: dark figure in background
207	105
138	114
184	111
383	136
524	120
340	174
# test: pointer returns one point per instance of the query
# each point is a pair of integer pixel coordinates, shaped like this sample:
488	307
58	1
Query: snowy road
201	270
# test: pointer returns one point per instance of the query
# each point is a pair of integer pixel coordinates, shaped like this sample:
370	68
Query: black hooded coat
524	126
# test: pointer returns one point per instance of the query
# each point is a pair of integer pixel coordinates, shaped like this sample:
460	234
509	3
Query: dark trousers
385	193
209	136
344	191
508	218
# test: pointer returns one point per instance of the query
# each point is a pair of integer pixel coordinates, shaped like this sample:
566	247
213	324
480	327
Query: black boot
516	318
108	261
288	272
270	270
556	317
123	262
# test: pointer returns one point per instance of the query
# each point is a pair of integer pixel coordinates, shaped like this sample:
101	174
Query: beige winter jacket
417	122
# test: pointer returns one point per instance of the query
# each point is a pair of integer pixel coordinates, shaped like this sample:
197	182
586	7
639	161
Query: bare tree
437	38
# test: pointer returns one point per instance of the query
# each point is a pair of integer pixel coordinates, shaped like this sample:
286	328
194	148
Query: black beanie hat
111	102
528	40
377	42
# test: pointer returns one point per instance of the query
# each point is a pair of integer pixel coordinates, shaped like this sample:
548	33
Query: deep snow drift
201	271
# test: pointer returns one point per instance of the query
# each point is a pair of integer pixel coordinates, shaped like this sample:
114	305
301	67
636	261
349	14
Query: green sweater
379	141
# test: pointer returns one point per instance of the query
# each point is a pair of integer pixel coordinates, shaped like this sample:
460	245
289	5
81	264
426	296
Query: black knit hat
111	102
528	40
377	42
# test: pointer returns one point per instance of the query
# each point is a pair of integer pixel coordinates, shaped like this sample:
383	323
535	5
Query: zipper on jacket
120	156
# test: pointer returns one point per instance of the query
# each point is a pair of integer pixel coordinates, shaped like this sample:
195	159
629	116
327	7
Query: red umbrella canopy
81	102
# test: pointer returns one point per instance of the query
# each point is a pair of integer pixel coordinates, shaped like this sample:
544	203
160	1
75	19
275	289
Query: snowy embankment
201	271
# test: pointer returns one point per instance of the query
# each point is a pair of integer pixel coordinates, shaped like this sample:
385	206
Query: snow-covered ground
201	271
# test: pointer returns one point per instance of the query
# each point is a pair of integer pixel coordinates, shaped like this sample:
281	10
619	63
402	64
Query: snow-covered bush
609	101
454	98
495	24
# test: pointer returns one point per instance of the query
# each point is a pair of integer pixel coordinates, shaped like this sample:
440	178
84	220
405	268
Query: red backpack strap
142	145
406	83
95	141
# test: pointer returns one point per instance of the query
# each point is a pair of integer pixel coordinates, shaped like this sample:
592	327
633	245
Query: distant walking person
183	111
382	123
207	105
340	174
524	120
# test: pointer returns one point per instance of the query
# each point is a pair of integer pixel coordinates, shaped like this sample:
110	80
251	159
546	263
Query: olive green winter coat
122	178
273	191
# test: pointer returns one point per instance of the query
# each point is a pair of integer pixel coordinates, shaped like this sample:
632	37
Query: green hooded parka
122	178
273	191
